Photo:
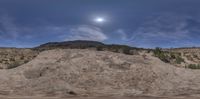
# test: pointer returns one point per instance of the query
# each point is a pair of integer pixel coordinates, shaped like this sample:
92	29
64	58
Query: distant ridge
73	43
82	44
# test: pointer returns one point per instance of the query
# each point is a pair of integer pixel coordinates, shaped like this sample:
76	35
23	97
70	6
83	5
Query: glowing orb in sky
99	20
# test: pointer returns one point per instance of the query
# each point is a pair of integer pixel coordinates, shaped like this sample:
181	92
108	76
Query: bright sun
99	19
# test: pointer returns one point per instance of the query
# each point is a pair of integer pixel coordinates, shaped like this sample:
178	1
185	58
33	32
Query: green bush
157	51
194	66
161	55
177	57
179	60
168	57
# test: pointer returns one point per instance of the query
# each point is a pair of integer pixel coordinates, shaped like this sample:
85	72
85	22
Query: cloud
165	27
122	34
85	32
7	28
166	30
12	34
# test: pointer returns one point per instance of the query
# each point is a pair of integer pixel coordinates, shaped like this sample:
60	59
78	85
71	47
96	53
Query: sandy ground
97	73
190	97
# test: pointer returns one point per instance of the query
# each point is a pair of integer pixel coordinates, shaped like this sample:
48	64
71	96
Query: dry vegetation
191	57
12	57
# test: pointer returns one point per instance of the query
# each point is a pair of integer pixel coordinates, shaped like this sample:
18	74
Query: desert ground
91	74
102	97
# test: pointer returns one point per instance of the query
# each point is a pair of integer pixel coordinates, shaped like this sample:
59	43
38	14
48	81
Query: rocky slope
63	72
189	56
179	57
14	57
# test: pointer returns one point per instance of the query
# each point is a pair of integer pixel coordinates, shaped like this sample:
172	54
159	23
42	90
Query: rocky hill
179	57
14	57
83	72
93	45
88	68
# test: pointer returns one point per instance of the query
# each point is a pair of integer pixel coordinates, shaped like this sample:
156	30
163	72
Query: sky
138	23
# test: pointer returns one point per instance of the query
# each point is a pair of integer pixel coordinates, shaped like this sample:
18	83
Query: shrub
189	58
26	61
157	51
172	55
161	55
196	56
148	51
127	51
22	57
194	66
179	60
12	59
14	65
99	48
164	58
